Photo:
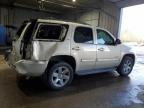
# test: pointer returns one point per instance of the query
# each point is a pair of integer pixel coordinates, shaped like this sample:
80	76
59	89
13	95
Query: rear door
83	48
108	54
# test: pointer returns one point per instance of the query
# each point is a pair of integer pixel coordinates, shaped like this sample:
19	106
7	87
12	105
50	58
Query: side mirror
117	42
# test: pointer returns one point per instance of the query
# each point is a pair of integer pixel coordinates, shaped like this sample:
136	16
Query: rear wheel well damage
62	58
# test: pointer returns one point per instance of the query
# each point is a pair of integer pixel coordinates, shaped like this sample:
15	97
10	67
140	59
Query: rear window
52	32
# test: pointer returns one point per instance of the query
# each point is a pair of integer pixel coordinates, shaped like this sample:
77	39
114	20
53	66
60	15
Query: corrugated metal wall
4	16
15	16
91	17
106	17
109	18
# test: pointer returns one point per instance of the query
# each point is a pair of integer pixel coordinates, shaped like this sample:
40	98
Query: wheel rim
60	76
128	66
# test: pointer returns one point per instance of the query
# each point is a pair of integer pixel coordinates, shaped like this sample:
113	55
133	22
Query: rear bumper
31	68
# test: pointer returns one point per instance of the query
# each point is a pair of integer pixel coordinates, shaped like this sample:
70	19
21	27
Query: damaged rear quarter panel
43	50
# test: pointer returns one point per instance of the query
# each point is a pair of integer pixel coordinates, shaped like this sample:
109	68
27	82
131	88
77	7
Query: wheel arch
130	55
65	58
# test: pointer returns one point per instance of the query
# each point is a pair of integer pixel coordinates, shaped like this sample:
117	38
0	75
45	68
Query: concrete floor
106	90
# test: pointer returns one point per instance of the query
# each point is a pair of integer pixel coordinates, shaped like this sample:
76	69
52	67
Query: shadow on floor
35	87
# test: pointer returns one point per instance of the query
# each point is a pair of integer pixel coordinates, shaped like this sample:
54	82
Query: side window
104	38
83	35
54	32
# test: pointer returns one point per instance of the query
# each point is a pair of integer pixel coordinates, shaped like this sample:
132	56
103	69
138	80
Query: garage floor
106	90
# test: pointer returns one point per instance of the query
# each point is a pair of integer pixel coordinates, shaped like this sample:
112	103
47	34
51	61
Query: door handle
101	49
76	48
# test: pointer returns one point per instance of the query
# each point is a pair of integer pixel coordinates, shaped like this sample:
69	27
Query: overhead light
68	6
60	4
73	0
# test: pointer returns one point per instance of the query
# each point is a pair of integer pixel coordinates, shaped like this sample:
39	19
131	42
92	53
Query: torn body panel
43	50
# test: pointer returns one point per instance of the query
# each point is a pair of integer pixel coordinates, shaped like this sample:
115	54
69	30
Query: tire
126	66
58	76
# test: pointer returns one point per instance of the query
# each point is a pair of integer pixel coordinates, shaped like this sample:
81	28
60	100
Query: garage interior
99	90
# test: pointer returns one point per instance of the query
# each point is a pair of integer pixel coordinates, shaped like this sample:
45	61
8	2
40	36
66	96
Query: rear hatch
22	42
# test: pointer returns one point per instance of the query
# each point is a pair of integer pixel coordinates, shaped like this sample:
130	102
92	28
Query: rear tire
126	66
58	76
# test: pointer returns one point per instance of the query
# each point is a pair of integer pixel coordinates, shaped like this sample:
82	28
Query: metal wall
110	18
15	16
106	17
90	17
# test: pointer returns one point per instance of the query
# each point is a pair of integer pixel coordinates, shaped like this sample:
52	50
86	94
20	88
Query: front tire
126	66
58	76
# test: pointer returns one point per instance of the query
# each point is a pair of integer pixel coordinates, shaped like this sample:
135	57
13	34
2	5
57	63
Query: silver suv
56	50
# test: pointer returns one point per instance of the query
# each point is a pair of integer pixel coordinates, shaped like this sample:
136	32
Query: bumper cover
31	68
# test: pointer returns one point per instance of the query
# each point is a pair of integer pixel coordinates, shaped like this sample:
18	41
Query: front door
108	54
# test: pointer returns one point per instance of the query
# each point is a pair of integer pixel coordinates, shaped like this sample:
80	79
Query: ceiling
63	6
56	6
